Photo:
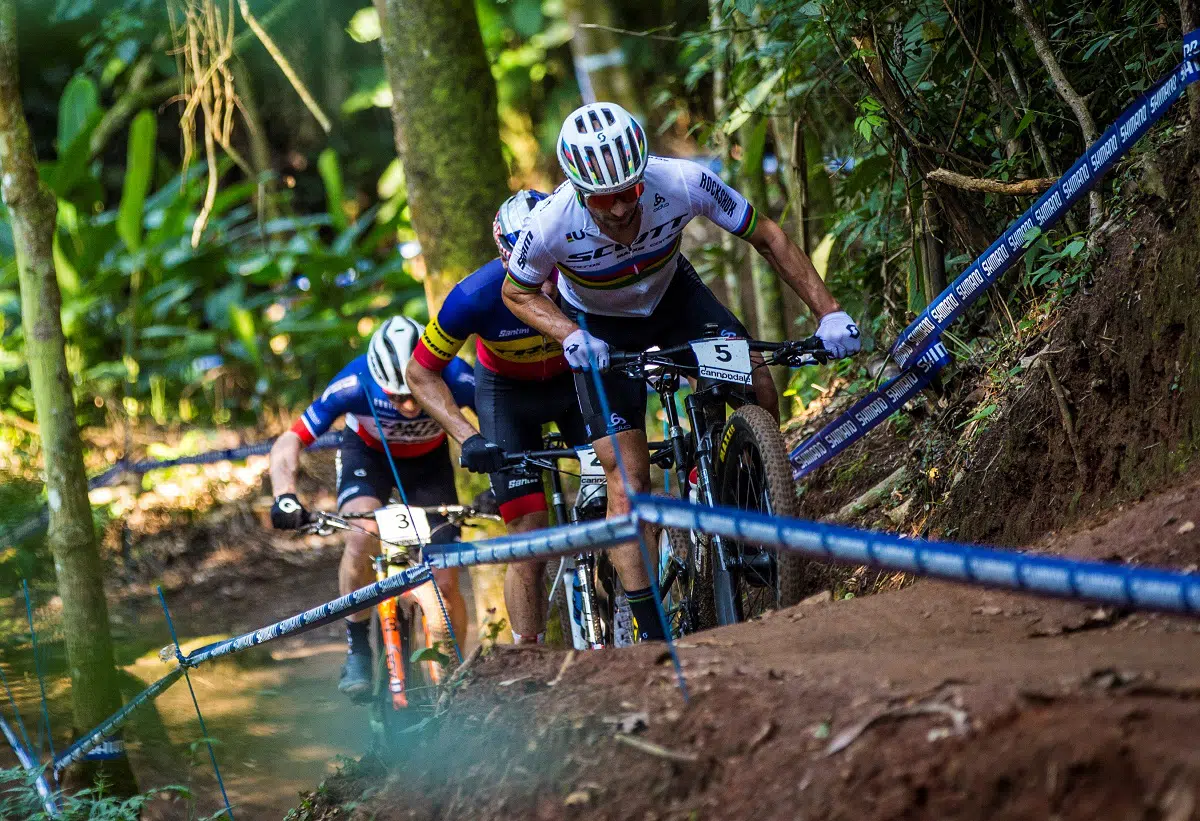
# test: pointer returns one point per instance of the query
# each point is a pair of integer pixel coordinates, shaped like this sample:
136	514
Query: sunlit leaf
364	25
79	102
331	174
139	166
751	102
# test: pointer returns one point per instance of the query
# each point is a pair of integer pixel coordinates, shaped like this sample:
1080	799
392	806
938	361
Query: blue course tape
35	525
360	599
1143	588
326	613
867	412
923	335
31	765
555	541
86	743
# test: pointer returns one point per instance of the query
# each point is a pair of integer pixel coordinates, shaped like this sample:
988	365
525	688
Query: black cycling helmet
510	219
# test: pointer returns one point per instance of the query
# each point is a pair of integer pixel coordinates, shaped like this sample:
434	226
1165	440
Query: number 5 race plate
724	359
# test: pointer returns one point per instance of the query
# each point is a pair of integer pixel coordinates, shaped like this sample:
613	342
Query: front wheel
392	714
753	474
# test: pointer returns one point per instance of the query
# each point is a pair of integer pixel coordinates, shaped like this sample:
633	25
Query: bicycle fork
393	645
723	588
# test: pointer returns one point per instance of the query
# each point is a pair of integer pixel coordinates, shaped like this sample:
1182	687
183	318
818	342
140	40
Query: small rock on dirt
1186	527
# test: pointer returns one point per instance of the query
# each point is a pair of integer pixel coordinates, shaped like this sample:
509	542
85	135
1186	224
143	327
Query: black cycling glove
481	456
287	513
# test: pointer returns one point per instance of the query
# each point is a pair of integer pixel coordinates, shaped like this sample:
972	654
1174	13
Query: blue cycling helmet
510	219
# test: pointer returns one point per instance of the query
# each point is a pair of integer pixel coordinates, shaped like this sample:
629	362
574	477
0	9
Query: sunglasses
603	202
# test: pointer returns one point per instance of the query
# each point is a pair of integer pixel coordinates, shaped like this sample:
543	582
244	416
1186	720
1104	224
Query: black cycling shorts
428	479
686	308
511	414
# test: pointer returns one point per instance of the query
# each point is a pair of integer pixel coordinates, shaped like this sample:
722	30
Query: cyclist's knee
359	546
447	582
765	393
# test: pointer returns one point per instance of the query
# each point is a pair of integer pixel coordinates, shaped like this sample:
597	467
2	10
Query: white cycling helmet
601	148
390	349
511	218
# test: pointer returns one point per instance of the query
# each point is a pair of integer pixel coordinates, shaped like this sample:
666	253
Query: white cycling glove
839	334
581	349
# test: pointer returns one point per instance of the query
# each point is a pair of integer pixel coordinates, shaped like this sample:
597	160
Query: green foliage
19	799
258	314
139	165
433	654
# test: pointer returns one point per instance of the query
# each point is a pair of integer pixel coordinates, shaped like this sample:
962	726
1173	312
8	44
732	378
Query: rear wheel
753	474
685	585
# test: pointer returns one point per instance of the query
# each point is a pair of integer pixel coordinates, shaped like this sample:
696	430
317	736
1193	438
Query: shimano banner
918	349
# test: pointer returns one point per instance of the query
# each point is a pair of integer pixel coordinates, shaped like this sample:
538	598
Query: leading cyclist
522	382
614	230
364	477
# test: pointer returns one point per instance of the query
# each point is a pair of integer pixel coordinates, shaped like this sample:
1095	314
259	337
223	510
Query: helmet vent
580	166
607	153
579	126
608	115
626	166
594	165
633	148
595	119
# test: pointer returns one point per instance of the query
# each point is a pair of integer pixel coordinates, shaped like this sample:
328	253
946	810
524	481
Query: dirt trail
1064	711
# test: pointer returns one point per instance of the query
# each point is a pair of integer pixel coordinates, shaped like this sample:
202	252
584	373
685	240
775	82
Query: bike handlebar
792	353
455	514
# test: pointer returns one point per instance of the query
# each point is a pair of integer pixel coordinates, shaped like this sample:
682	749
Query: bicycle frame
395	615
705	408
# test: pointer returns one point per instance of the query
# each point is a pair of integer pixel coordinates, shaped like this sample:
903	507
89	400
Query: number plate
724	359
402	525
591	472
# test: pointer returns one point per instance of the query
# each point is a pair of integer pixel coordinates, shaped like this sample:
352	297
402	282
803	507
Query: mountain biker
613	231
522	382
364	478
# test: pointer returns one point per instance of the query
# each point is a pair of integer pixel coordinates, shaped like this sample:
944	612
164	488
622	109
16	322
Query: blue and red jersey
504	344
406	437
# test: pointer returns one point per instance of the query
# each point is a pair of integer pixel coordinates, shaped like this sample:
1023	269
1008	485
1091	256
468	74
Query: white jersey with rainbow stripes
599	275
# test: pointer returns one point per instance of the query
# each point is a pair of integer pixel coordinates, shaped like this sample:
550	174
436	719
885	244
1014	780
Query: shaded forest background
886	137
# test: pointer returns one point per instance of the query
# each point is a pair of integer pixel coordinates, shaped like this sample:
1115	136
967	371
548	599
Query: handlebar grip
619	359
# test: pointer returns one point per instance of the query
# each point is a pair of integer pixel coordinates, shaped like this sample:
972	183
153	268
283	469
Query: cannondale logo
289	505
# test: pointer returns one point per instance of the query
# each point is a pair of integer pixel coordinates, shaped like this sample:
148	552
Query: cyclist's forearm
435	397
539	312
794	267
285	462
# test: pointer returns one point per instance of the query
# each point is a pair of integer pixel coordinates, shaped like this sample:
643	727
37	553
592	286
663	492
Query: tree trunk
793	171
966	227
95	688
728	263
1078	106
448	139
768	294
933	248
599	61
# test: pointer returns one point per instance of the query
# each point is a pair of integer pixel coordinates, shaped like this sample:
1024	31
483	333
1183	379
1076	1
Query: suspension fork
585	575
723	583
393	647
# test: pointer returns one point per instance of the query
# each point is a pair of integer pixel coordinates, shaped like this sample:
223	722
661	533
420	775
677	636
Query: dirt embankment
1127	356
935	701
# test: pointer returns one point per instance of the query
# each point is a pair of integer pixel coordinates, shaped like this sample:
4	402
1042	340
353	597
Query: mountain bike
405	677
584	589
740	461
